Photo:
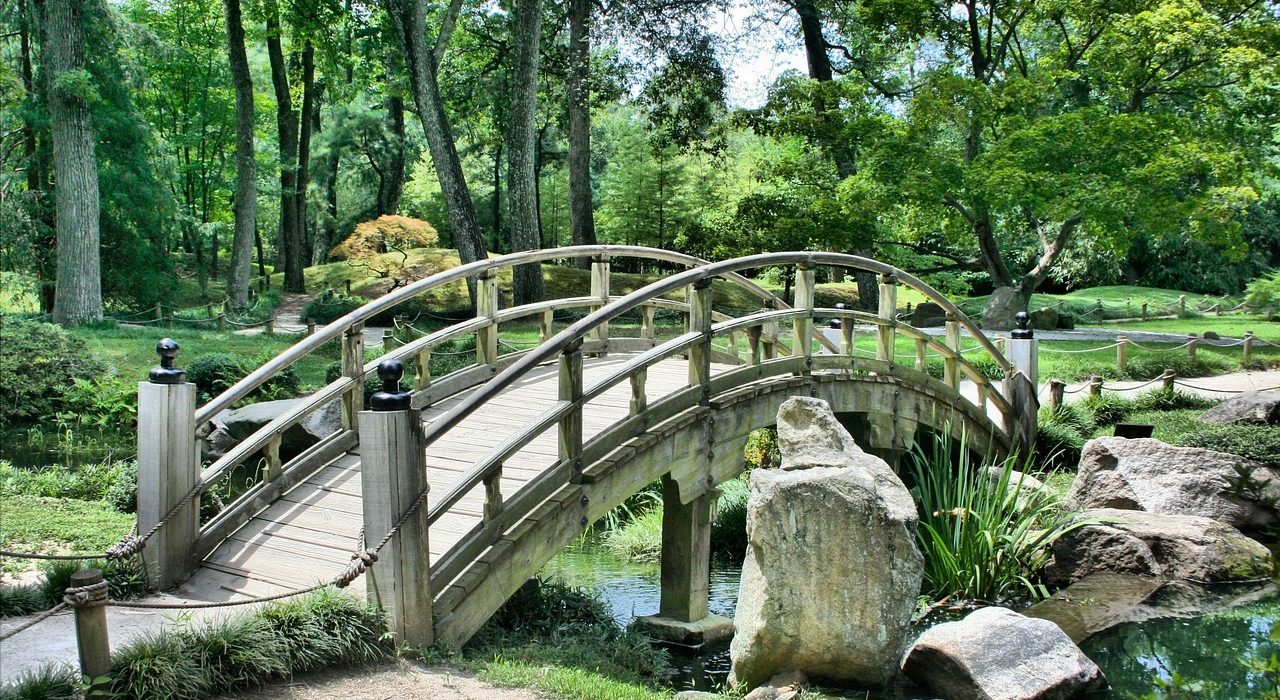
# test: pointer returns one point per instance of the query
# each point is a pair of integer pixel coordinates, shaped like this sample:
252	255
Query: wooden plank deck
308	535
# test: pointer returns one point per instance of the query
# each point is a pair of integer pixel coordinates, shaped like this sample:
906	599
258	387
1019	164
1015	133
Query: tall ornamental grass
981	536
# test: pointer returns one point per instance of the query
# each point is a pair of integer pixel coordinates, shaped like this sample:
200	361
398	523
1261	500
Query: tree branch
955	204
1052	250
447	26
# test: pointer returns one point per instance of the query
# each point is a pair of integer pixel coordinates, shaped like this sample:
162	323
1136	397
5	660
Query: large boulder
832	570
1157	545
1043	319
928	314
320	423
1146	474
1249	407
997	654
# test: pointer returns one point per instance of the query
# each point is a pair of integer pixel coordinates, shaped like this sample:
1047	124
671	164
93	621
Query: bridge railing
277	475
501	511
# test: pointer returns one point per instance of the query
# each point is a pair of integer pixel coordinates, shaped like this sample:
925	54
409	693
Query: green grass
1229	326
59	525
533	669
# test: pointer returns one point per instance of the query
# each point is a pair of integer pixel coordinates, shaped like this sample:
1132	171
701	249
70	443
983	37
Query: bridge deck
308	535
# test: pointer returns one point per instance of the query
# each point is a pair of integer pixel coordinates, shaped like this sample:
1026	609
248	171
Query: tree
246	192
581	205
526	285
290	239
78	296
381	246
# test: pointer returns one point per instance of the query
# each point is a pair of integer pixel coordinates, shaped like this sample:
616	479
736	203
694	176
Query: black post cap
390	398
166	373
1022	332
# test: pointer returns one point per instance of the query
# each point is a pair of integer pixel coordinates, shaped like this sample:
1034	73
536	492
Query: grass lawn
1231	326
59	525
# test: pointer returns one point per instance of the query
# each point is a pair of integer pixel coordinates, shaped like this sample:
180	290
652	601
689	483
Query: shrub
329	305
1257	442
1175	400
762	449
216	372
729	523
1152	366
1108	409
988	366
639	539
1058	446
22	599
88	482
48	683
40	364
122	493
979	539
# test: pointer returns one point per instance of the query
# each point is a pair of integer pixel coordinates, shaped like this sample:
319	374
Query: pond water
1210	648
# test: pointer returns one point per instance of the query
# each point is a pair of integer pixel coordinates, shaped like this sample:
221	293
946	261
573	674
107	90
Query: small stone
1210	335
789	679
810	436
696	695
1043	319
764	692
927	315
997	654
1261	407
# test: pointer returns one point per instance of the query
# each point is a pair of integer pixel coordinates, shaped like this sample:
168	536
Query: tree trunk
410	20
287	133
245	210
815	46
78	298
581	212
327	222
37	157
522	213
391	184
265	282
496	204
311	95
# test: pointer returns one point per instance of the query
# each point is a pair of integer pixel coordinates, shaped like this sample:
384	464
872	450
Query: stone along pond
1210	649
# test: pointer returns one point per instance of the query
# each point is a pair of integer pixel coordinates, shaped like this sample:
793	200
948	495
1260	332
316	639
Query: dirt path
401	679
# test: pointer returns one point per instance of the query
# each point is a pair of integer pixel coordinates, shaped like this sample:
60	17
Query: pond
1210	649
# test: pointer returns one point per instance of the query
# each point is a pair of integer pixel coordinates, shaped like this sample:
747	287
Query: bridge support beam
683	616
392	477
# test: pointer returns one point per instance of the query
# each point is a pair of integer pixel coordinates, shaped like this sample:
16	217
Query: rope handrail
1064	351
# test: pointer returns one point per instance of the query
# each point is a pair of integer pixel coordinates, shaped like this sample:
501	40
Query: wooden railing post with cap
887	330
1192	342
1247	348
1020	386
570	431
700	322
92	641
1166	380
487	308
1122	352
392	478
353	367
168	468
802	337
951	365
1095	385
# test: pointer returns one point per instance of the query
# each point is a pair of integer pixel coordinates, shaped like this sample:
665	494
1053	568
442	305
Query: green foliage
980	539
125	580
1260	443
39	524
762	449
729	522
329	305
1265	291
639	539
1108	409
21	599
1152	366
88	482
38	368
215	373
1061	436
47	683
1175	400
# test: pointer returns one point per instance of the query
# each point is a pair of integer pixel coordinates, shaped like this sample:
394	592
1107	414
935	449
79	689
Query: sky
755	51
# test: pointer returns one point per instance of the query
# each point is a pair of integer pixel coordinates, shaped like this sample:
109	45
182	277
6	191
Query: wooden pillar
753	344
700	322
802	343
422	367
600	292
686	554
1057	391
388	340
311	327
168	468
159	311
1122	352
886	330
91	632
570	440
1247	348
392	477
922	348
846	334
545	321
1166	380
647	328
1192	342
1144	311
1182	304
353	367
271	324
222	322
639	399
951	365
769	333
1095	385
487	308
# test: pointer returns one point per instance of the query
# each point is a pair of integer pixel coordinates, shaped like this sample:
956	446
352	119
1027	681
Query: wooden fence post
1166	380
487	308
600	291
570	432
1057	391
353	367
1122	352
1192	342
222	322
168	468
311	327
887	328
802	339
1247	348
1097	309
951	365
271	324
545	321
1095	385
92	641
1021	385
392	477
647	329
1182	304
347	285
1144	311
159	311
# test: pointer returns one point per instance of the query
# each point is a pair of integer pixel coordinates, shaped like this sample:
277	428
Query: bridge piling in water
392	476
168	467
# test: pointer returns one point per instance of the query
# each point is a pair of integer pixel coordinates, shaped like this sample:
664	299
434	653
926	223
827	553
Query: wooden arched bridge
522	451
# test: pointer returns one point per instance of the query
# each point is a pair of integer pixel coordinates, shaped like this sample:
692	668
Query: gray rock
1210	335
219	442
1249	407
1158	545
927	315
1146	474
696	695
832	571
1066	322
1043	319
999	311
245	421
1030	489
997	654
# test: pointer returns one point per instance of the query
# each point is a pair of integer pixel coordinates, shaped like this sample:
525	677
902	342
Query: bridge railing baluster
922	347
353	367
802	339
422	363
753	344
886	331
493	494
700	322
639	399
647	329
951	363
487	308
570	440
600	290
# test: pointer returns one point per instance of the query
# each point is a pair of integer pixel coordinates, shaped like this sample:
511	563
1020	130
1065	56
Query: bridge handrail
575	332
335	329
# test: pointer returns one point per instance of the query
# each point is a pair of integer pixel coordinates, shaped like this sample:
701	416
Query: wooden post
222	322
1097	308
1057	391
647	329
846	334
1182	304
700	322
422	367
1247	348
347	285
91	631
271	324
753	344
1020	386
545	321
686	554
168	322
168	468
388	340
1122	352
392	477
570	441
886	330
311	327
159	311
639	399
1095	385
802	344
353	367
1144	311
487	308
951	365
208	310
922	349
1192	342
493	494
1166	380
600	291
